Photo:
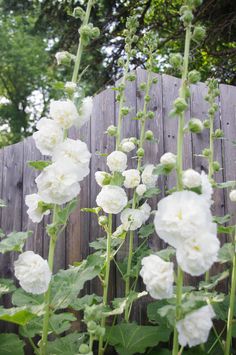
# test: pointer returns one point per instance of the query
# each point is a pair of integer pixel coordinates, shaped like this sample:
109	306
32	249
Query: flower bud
216	166
195	125
125	111
127	146
149	136
219	133
133	52
95	32
112	130
84	349
150	115
191	179
232	196
143	86
100	331
187	17
133	140
176	60
141	189
79	13
155	80
131	77
206	124
140	152
102	221
183	9
147	98
91	325
121	62
168	160
211	111
70	87
194	76
206	152
63	57
180	105
199	34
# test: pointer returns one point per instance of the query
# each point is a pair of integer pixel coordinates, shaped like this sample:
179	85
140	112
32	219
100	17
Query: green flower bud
199	33
219	133
206	124
147	98
131	77
127	48
180	105
121	62
143	86
211	111
187	17
133	140
133	52
102	220
95	32
140	152
79	13
195	125
84	349
125	111
155	80
150	115
112	131
206	152
149	136
92	325
216	166
176	60
215	106
194	76
140	114
100	332
183	9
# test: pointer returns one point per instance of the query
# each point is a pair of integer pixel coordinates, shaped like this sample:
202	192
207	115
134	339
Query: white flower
64	113
168	159
141	189
127	146
47	137
131	219
158	276
74	152
232	196
191	179
194	329
207	189
132	178
146	210
33	272
181	215
100	176
112	199
198	253
147	176
117	161
35	211
85	111
58	182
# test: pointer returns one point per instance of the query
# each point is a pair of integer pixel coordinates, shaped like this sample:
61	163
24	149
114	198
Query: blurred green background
33	31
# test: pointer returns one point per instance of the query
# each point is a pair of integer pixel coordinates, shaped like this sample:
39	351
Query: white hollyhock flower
132	178
198	253
64	113
33	272
194	329
117	161
85	111
58	182
207	189
47	137
147	176
232	196
158	276
191	179
141	189
127	146
168	159
131	219
181	215
35	211
112	199
76	152
100	176
146	211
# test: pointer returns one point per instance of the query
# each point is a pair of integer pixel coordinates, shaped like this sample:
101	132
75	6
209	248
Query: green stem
106	281
179	170
231	304
91	340
81	45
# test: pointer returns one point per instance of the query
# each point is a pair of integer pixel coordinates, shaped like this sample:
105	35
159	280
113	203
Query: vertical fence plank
228	121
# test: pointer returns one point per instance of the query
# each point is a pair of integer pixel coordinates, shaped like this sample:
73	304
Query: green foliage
67	345
214	281
14	242
226	253
131	338
146	230
20	315
39	164
117	179
60	323
11	344
6	286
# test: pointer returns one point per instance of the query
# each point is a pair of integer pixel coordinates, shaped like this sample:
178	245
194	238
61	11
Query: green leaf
88	300
6	286
225	230
60	323
146	230
101	243
32	328
14	242
214	281
117	179
168	312
39	164
67	345
22	298
63	215
153	191
131	338
20	315
166	254
153	312
226	253
11	344
91	210
162	170
221	220
224	185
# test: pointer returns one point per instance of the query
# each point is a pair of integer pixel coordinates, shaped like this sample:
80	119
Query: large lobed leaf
21	315
11	344
14	242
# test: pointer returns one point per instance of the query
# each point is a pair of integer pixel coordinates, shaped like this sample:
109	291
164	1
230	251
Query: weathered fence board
17	179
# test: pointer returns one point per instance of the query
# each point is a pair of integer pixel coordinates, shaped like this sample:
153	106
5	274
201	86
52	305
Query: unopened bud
199	34
176	60
216	166
180	105
206	124
195	125
149	136
102	221
194	76
112	130
219	133
140	152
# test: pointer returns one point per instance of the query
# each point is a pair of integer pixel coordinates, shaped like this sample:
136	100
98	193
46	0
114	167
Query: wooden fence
17	179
